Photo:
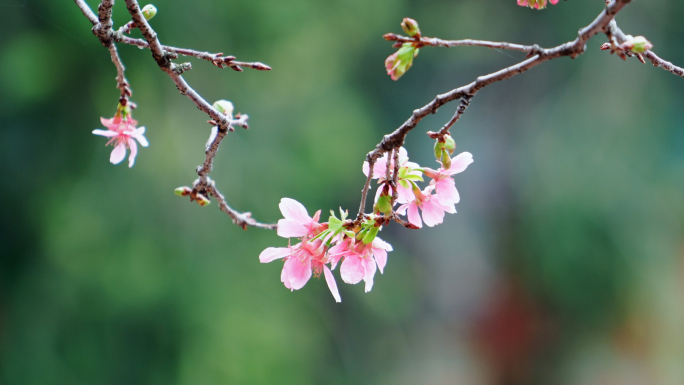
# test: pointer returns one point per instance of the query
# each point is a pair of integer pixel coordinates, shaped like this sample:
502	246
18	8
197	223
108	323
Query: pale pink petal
446	191
294	210
460	162
107	133
380	256
273	253
554	1
336	253
288	228
332	285
285	278
352	270
378	167
401	210
134	152
413	216
522	2
298	272
138	135
118	153
433	214
369	266
450	208
404	194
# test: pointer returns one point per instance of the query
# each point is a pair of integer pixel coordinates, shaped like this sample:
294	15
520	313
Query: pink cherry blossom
297	222
123	134
301	262
536	4
433	210
380	172
305	259
443	182
360	260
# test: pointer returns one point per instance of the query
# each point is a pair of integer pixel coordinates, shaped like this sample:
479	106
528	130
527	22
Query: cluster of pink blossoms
355	244
439	197
322	244
536	4
122	131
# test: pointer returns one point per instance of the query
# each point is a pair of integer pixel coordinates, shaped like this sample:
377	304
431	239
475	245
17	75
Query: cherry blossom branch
436	42
574	48
203	185
216	59
664	64
465	102
121	82
87	12
617	37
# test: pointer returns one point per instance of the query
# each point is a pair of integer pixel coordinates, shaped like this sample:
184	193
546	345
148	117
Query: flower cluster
122	131
536	4
355	244
438	197
357	247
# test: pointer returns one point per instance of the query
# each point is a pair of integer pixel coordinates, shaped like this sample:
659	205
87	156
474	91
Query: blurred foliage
564	264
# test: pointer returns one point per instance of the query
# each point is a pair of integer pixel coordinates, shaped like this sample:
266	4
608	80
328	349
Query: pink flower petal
288	228
273	253
446	191
294	210
298	272
118	153
332	285
352	270
413	216
380	256
134	152
460	162
433	214
107	133
369	266
138	135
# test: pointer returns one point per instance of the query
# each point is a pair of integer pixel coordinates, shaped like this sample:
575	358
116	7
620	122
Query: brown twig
465	101
87	12
216	59
436	42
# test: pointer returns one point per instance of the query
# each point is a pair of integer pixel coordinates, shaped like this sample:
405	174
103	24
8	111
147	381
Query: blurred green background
564	264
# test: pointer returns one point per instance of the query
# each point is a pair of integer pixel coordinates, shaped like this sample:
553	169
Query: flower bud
182	191
637	44
383	205
225	107
400	62
446	159
149	11
410	26
202	200
449	144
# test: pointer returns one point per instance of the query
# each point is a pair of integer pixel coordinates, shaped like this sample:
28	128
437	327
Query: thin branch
203	185
241	219
465	102
215	58
87	12
121	82
436	42
572	49
664	64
